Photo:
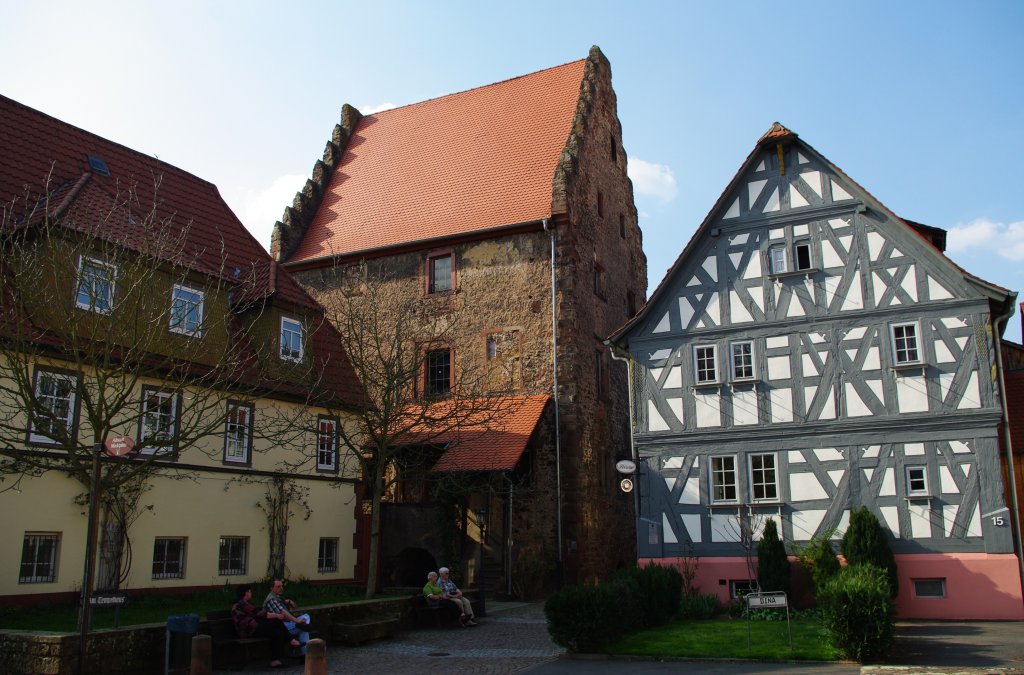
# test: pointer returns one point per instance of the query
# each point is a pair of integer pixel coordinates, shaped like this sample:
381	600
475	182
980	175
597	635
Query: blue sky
920	102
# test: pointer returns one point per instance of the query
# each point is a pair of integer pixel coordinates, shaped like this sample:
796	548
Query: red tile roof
491	445
45	161
462	163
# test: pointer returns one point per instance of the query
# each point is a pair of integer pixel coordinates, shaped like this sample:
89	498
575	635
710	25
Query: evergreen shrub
866	543
772	562
587	618
819	559
857	612
660	592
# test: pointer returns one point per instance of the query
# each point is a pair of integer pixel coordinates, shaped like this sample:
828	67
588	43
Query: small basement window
929	588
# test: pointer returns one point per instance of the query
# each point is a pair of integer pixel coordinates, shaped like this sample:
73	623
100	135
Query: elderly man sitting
452	592
298	626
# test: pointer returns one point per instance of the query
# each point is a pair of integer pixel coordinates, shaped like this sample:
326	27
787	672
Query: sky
919	102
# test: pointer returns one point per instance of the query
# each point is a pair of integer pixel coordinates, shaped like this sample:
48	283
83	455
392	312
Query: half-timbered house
810	352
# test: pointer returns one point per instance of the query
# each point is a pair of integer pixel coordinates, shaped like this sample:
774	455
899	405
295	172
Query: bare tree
118	319
420	394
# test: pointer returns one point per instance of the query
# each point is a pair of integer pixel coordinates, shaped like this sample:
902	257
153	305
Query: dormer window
291	340
95	288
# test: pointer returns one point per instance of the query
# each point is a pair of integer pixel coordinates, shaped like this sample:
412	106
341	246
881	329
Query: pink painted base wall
978	585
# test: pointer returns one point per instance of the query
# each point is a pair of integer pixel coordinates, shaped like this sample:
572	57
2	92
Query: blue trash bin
181	628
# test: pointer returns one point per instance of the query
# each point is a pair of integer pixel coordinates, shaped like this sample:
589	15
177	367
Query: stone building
486	203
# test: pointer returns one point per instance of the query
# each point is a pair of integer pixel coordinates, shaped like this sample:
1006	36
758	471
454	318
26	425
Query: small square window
327	556
917	481
186	311
95	288
439	270
802	255
169	558
599	280
905	347
741	587
233	556
291	340
327	444
238	433
929	588
705	362
742	359
439	372
777	260
39	558
723	478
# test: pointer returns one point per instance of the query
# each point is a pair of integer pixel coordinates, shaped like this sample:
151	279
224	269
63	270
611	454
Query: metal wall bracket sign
770	600
626	485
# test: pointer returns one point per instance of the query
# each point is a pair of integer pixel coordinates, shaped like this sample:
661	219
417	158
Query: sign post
769	600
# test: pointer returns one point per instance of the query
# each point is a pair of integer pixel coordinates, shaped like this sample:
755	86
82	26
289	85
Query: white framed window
764	477
53	418
291	340
327	444
233	556
238	433
39	558
94	290
929	588
741	587
802	256
327	556
440	272
723	478
186	311
158	426
705	364
777	260
741	360
917	481
906	349
169	558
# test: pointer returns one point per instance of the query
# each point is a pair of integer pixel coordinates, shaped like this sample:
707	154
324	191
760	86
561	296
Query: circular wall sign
118	446
626	466
626	484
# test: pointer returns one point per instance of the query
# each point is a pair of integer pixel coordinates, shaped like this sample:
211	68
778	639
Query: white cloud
260	209
653	180
370	109
1006	240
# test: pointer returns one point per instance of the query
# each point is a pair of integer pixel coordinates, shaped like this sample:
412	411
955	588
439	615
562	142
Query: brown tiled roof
462	163
776	132
45	161
496	446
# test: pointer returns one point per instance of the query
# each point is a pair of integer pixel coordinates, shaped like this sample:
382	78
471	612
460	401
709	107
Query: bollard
202	662
316	657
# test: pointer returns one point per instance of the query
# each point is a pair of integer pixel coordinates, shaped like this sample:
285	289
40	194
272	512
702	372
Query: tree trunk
373	562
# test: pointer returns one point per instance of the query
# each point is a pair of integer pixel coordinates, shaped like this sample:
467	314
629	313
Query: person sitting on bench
434	596
276	603
252	622
452	592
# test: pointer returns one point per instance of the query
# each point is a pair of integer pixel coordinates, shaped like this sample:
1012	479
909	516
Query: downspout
508	535
1008	443
628	360
558	426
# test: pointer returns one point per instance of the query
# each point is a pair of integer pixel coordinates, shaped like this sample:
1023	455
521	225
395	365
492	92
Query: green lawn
156	609
727	639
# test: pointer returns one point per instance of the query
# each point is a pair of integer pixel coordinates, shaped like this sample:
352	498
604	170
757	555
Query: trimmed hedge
660	592
866	543
772	562
587	618
857	612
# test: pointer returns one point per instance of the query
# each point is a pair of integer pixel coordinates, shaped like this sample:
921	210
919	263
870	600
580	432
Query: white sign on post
766	600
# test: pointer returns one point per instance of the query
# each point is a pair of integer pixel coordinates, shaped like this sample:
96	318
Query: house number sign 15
998	520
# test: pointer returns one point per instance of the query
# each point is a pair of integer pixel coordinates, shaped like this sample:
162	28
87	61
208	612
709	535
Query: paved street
514	639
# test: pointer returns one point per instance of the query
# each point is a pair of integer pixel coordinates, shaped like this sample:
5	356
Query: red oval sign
118	446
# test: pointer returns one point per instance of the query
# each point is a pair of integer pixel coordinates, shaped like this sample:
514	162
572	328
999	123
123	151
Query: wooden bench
229	650
434	616
358	632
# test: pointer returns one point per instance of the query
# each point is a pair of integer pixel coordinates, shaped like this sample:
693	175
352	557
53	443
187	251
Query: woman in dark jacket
250	621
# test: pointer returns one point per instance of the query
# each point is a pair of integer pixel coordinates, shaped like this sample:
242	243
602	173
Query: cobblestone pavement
512	638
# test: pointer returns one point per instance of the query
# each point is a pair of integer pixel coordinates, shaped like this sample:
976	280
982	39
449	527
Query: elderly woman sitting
435	597
452	592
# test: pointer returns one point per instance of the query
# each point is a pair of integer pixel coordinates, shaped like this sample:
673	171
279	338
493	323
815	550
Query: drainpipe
1008	443
558	427
508	535
628	360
